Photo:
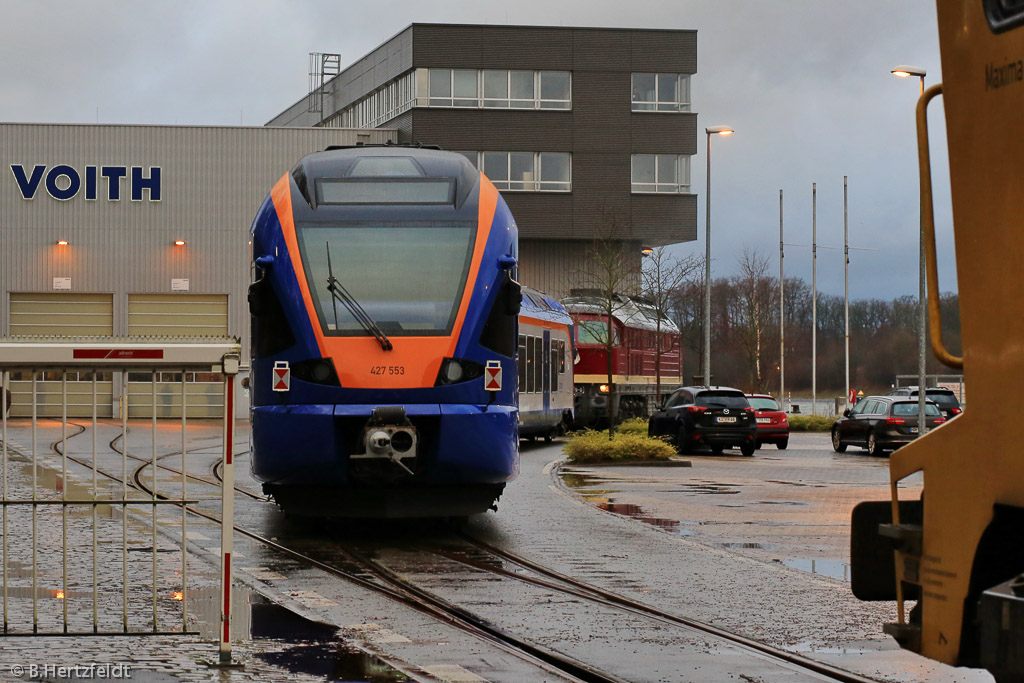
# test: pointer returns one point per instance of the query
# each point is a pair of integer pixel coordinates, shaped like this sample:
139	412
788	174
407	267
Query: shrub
590	446
634	425
810	423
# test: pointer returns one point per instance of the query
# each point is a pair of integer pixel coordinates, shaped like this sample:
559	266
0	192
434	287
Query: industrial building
136	231
587	132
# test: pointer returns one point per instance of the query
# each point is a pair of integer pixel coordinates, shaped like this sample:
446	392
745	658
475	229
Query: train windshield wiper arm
339	293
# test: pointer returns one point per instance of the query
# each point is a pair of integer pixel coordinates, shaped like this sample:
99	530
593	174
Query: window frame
681	105
682	171
535	185
536	102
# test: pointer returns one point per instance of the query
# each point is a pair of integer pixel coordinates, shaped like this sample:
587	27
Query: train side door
546	375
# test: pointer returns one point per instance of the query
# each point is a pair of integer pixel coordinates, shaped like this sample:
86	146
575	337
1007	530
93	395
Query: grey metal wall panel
213	181
454	129
526	48
541	215
601	50
446	45
505	131
664	219
556	266
403	125
658	133
601	112
664	51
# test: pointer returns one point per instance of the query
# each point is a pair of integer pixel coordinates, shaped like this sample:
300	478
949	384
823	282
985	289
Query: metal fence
76	520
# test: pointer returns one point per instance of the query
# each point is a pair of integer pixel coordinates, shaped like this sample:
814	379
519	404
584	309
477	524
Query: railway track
354	564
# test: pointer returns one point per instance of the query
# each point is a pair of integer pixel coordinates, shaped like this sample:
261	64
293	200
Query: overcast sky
805	84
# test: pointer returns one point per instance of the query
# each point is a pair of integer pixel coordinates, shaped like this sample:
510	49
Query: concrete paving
753	545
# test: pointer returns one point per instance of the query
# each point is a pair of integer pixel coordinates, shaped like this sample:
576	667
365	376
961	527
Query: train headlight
603	389
456	370
453	372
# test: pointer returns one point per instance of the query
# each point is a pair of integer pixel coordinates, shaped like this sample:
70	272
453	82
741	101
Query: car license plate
913	430
764	420
725	419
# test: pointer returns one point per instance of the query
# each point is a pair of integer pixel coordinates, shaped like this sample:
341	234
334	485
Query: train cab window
390	191
595	332
433	261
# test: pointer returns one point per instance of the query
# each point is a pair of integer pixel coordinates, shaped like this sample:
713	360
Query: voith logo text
65	182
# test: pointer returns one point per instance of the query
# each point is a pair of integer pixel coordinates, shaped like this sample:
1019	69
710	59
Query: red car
772	424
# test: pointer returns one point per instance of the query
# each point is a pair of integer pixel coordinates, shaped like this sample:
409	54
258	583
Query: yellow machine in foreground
960	550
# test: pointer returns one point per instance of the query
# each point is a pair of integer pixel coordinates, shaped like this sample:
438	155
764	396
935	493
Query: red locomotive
635	330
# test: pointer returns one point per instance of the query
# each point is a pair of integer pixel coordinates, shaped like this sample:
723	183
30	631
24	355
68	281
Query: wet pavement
756	546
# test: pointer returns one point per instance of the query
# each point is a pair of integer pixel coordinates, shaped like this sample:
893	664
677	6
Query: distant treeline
745	334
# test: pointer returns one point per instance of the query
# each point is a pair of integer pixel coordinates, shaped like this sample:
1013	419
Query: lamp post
713	130
905	71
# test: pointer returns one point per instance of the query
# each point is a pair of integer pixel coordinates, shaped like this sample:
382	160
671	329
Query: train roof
630	311
537	304
388	163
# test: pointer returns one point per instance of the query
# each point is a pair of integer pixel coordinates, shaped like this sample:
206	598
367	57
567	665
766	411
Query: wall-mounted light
179	243
62	243
647	251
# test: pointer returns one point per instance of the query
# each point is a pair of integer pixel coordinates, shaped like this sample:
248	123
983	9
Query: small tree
661	277
607	272
755	294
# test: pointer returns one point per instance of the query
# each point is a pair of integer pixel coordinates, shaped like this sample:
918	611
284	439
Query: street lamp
905	71
713	130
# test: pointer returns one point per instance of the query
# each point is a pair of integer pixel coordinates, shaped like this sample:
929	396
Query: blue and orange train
384	331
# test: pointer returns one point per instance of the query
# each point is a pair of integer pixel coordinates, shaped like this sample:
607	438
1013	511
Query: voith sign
112	183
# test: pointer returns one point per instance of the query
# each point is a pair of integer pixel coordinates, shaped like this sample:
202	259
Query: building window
494	89
379	107
661	173
525	171
661	92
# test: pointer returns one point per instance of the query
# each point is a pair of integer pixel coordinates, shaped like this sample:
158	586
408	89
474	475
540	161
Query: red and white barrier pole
227	508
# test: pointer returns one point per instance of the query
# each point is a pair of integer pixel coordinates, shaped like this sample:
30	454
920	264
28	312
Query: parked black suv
945	398
720	417
881	423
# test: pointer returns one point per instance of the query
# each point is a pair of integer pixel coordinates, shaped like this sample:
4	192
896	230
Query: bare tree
756	301
662	276
607	271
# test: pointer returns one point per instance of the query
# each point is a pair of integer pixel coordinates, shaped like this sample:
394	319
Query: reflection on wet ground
310	647
596	490
831	568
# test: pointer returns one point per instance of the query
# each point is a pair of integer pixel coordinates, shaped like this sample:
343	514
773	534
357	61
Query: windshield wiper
339	293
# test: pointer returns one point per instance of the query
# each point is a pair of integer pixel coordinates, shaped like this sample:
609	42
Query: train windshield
408	279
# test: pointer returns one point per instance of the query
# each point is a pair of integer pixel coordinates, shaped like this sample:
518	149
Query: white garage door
176	315
61	314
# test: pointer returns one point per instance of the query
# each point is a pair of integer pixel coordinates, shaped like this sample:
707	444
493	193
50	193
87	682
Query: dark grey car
719	417
882	423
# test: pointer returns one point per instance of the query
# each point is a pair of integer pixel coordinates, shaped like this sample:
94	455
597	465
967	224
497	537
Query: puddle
835	569
638	513
580	481
311	647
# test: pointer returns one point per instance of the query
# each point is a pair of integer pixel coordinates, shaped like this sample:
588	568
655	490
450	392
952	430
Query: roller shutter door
61	314
176	315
